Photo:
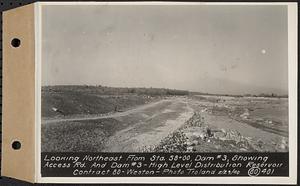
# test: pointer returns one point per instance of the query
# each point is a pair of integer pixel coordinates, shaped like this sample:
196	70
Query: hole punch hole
16	145
15	42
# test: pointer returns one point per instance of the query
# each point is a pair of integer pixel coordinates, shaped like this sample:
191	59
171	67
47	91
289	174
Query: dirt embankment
65	104
127	131
69	100
205	124
78	136
267	114
198	136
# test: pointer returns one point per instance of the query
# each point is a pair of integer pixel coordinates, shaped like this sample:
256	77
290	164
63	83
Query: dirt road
146	125
113	115
223	120
156	122
140	128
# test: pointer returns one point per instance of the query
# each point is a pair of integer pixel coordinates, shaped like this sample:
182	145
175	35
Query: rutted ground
218	126
105	116
158	122
131	130
176	124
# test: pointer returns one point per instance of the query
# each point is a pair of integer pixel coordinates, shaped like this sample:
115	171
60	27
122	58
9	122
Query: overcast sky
215	49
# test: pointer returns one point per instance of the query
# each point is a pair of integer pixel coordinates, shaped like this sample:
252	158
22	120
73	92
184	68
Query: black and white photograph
162	78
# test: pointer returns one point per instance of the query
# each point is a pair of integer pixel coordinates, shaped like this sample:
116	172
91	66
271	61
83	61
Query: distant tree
132	90
273	95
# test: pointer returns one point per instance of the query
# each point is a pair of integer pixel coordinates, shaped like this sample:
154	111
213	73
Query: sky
230	49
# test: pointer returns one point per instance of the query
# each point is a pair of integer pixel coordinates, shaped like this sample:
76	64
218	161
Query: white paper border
292	74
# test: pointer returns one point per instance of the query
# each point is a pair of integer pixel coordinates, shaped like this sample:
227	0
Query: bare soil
170	124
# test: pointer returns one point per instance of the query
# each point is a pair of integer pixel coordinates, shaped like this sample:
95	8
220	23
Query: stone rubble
196	135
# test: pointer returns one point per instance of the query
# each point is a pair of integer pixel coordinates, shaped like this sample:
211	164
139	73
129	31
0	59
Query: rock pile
196	135
175	142
195	121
